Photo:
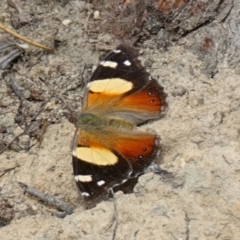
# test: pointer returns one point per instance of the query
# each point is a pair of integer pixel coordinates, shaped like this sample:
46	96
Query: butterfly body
109	149
91	121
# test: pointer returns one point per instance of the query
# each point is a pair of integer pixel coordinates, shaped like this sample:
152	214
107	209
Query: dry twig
24	38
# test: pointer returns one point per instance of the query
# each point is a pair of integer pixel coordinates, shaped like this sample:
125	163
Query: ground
199	134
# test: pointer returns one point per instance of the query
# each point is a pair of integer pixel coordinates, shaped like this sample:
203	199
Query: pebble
66	22
96	15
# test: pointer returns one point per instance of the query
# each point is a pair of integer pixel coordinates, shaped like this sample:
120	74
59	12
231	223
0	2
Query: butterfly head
87	119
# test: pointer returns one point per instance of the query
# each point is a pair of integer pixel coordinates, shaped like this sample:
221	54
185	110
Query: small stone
66	22
96	15
24	139
21	207
26	94
148	63
145	178
18	131
50	105
179	162
179	91
34	208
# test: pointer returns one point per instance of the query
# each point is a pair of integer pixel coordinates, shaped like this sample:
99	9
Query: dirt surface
200	132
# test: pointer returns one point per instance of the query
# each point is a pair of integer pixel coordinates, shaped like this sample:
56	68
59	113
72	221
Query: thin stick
47	198
116	214
24	38
44	129
8	169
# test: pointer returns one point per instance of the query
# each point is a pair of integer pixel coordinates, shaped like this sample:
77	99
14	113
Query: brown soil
200	132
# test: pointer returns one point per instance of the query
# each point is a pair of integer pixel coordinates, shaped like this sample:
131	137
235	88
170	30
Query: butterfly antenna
56	95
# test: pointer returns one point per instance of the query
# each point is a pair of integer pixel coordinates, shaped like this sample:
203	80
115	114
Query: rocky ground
199	134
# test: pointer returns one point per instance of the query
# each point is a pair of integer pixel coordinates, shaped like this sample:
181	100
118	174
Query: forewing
121	87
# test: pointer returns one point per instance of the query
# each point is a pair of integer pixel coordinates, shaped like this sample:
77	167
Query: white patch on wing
123	181
111	86
110	64
83	178
85	194
116	50
150	77
97	156
74	153
100	183
127	63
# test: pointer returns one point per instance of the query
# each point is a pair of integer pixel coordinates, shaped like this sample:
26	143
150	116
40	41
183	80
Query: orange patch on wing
140	101
87	139
133	147
95	100
140	150
150	99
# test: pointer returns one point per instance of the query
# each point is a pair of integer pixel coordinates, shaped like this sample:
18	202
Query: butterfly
109	149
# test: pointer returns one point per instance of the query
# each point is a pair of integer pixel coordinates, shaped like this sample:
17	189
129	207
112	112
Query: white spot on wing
163	108
100	183
110	64
116	50
74	153
85	194
111	86
97	156
83	178
127	63
150	77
